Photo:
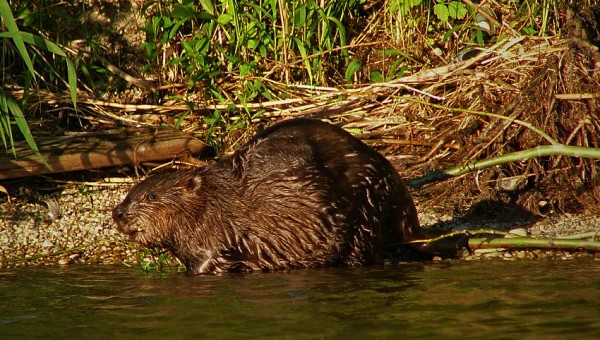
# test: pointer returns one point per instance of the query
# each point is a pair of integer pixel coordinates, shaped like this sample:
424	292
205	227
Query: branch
505	240
540	151
526	242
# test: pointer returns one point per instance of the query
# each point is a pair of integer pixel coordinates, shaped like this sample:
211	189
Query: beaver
301	193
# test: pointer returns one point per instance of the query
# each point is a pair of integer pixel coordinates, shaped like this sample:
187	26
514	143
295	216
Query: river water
456	299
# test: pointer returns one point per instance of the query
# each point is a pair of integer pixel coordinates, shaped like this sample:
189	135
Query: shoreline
76	226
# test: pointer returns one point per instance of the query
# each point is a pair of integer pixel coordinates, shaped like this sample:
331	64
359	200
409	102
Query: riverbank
60	222
70	226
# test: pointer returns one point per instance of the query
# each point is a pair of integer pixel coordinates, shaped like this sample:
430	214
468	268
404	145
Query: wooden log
98	149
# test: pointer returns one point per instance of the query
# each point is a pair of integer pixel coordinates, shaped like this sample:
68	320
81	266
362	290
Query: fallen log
98	149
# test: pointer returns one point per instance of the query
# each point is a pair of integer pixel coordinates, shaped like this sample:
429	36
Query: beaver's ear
194	183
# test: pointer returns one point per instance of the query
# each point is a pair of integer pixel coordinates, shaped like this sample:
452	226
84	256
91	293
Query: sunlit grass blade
19	118
353	67
302	50
55	49
5	130
38	42
13	32
9	106
72	76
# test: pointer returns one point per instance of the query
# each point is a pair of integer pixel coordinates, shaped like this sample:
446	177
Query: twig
494	115
526	242
577	96
575	242
460	232
589	235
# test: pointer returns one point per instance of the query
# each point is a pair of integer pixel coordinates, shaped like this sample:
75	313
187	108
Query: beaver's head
155	207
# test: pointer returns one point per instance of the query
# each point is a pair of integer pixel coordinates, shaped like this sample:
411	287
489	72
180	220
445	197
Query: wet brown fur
302	193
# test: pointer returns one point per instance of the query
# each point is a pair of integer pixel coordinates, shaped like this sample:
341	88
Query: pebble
518	232
78	224
82	231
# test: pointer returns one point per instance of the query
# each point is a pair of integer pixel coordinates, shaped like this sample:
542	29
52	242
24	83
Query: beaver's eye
150	197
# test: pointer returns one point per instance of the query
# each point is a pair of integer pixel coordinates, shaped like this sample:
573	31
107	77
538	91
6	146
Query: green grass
157	260
16	45
210	44
241	40
248	51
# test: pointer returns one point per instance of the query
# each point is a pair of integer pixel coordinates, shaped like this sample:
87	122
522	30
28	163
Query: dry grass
433	119
425	121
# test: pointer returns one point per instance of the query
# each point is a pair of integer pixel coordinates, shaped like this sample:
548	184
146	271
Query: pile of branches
519	94
516	95
546	93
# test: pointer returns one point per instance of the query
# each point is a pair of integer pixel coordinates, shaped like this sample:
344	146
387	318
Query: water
458	299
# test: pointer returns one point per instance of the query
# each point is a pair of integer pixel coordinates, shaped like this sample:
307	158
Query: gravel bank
73	226
76	226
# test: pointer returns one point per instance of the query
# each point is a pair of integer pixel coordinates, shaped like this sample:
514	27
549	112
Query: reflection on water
540	299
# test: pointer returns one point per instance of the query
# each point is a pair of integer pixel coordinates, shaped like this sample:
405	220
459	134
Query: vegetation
157	260
16	59
406	73
509	86
239	52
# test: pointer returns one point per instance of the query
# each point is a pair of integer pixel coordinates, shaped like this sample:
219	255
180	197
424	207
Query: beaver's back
315	195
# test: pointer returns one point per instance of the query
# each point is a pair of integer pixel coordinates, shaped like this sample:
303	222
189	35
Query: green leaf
166	22
23	14
17	114
52	48
304	55
397	69
252	44
449	32
263	51
457	10
354	66
300	16
72	77
224	19
245	69
394	6
441	12
11	25
392	52
376	77
407	5
479	38
5	123
38	42
182	12
342	32
207	5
